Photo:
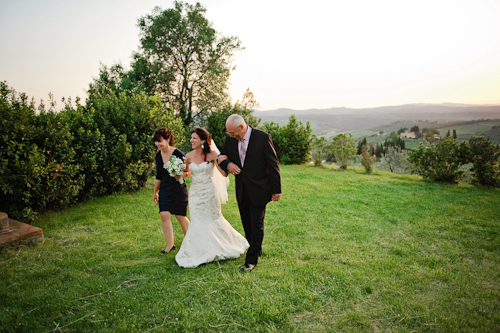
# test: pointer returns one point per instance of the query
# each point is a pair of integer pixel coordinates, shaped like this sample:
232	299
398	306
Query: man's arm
223	162
226	165
273	168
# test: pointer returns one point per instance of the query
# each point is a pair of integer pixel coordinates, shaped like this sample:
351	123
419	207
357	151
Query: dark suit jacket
261	173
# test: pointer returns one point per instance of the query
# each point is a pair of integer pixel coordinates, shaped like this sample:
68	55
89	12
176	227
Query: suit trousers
252	218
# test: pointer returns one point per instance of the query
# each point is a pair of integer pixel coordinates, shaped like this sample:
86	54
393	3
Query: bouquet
175	167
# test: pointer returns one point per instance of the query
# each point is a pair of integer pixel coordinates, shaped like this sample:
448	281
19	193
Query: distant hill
465	129
493	134
336	120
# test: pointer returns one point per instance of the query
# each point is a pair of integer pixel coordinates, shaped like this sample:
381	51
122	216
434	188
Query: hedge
50	160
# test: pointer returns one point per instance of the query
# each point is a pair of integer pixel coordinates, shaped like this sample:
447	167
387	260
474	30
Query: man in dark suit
249	155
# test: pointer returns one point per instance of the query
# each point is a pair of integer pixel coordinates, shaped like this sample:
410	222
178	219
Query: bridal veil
221	183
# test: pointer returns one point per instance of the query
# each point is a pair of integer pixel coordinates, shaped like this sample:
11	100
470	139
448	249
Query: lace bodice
202	173
202	200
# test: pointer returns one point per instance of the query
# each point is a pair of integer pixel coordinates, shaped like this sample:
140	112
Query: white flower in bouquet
175	167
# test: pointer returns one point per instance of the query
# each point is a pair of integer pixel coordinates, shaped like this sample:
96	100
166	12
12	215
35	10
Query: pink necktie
243	151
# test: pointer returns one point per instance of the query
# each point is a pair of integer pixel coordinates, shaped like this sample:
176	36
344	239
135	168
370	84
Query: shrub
395	160
37	171
317	150
440	161
122	127
292	142
484	155
51	159
344	149
367	159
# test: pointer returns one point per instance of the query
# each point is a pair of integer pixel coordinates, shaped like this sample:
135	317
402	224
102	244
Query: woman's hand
221	158
155	198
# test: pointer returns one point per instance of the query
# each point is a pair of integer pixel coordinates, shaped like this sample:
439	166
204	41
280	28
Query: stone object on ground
14	233
4	222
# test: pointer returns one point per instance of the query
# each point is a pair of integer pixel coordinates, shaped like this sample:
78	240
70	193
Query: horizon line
383	106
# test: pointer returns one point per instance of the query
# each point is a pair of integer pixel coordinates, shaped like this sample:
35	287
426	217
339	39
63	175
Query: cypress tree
360	145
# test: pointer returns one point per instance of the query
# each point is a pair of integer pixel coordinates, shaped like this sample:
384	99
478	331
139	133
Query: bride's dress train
210	237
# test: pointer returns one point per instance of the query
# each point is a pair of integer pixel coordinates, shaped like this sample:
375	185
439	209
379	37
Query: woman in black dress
173	197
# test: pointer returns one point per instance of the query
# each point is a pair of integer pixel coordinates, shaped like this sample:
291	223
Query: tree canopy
181	58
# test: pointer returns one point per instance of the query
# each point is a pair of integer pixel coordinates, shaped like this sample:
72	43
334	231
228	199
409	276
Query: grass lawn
343	252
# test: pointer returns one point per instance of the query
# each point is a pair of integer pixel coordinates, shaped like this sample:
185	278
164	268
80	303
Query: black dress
173	196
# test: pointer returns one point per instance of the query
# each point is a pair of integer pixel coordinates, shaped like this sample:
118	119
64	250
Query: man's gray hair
236	120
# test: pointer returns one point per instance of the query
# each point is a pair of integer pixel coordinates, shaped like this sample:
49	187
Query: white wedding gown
210	237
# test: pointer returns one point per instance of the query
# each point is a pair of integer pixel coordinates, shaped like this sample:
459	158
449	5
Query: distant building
437	136
408	135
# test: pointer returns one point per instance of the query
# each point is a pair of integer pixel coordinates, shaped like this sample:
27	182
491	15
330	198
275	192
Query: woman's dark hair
164	133
204	135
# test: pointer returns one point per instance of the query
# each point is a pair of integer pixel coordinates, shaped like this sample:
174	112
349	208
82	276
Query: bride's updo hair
204	135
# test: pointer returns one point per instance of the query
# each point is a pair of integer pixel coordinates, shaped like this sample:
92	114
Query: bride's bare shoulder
189	156
211	156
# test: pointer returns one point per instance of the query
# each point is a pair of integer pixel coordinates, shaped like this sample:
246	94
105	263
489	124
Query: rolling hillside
329	122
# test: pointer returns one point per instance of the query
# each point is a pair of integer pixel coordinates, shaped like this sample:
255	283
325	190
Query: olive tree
344	149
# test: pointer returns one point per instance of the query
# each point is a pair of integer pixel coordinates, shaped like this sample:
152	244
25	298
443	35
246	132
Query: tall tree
360	146
379	151
183	59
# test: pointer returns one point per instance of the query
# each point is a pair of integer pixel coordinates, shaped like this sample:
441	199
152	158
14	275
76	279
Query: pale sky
298	54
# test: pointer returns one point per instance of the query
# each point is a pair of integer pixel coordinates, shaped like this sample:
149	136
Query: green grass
343	252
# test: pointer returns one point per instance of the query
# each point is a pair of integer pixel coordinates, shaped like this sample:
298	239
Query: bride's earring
202	146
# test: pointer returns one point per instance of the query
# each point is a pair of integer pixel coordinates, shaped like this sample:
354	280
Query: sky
298	54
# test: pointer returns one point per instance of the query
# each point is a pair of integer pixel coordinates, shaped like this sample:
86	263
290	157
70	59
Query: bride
210	237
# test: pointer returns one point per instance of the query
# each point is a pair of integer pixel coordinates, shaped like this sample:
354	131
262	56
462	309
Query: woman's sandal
173	248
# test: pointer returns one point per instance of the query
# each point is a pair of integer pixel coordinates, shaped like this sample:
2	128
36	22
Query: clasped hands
233	169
